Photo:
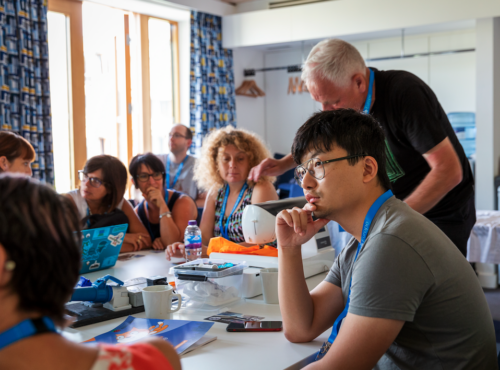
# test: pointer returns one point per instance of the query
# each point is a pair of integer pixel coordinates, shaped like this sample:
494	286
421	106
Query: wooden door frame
78	138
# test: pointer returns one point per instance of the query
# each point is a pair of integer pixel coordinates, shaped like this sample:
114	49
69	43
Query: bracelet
168	214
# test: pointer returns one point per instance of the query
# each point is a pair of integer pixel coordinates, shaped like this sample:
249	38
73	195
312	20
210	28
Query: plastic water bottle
192	241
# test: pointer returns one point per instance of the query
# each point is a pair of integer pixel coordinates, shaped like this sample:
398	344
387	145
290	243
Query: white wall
488	111
250	112
452	77
285	113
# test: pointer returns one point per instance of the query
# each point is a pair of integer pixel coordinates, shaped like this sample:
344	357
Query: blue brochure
180	333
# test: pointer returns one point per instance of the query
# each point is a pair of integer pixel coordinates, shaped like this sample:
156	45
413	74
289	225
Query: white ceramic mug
158	301
269	278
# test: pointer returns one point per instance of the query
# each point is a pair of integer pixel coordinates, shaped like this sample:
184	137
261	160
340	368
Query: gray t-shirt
409	270
185	183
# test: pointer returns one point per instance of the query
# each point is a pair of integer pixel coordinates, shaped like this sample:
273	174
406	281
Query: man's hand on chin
295	226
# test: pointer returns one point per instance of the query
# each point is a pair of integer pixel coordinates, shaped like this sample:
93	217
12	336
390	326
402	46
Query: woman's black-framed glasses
93	181
316	167
143	177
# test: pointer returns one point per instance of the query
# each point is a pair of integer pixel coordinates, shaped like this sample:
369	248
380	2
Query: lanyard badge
368	101
177	174
366	227
224	230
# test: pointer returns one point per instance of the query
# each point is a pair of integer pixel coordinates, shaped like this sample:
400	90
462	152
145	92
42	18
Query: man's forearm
288	162
295	300
431	190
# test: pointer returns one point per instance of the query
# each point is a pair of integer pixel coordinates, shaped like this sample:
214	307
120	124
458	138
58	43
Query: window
105	81
161	71
114	82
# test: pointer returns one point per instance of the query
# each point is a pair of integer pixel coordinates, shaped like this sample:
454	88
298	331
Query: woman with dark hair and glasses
164	212
103	181
35	283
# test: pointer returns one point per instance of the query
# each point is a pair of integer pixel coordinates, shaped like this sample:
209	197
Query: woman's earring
10	265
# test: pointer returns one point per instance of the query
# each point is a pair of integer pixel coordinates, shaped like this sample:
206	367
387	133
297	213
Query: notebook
100	247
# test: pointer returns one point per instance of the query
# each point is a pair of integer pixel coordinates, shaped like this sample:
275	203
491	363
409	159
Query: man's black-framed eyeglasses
176	136
316	167
94	181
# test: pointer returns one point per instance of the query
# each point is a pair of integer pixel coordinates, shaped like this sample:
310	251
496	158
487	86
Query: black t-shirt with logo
414	122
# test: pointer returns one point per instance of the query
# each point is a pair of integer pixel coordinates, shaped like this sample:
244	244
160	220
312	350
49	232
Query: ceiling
236	1
442	27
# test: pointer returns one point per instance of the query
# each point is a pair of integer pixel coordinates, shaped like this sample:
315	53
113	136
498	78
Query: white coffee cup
269	278
158	301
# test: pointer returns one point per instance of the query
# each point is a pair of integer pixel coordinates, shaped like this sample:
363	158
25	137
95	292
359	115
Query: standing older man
179	166
425	161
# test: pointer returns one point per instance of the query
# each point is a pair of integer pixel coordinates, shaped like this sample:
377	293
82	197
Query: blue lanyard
177	174
223	230
368	102
88	214
366	227
25	329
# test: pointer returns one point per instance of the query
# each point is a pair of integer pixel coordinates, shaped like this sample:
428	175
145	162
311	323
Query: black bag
117	217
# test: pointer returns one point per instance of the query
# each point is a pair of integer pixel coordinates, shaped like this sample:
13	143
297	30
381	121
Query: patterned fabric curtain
212	97
24	79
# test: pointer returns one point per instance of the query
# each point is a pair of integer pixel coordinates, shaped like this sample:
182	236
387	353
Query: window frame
78	139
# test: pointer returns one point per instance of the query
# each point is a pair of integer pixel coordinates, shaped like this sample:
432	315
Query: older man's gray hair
333	60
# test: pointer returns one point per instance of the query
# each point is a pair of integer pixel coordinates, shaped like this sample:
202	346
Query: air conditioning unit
284	3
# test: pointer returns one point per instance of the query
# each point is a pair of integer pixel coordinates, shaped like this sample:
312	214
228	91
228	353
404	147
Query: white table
231	350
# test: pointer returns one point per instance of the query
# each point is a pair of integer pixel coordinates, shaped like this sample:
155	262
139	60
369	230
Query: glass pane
59	69
105	98
161	85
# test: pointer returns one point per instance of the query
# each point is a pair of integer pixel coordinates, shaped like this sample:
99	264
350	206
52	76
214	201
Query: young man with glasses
404	294
179	166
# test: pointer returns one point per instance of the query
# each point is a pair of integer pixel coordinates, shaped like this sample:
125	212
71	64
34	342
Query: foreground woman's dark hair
37	230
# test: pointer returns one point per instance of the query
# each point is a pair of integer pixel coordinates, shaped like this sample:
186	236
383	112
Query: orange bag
221	245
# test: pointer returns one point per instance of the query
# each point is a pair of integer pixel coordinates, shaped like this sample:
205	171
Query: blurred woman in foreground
39	264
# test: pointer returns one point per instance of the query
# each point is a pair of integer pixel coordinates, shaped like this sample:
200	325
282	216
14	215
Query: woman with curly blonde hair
227	155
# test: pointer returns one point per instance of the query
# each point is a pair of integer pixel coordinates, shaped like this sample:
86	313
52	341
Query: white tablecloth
484	242
241	351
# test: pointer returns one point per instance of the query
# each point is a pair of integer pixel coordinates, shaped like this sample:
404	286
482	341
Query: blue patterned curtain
24	79
212	97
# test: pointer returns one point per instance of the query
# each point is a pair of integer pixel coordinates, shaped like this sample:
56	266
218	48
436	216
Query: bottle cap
192	222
